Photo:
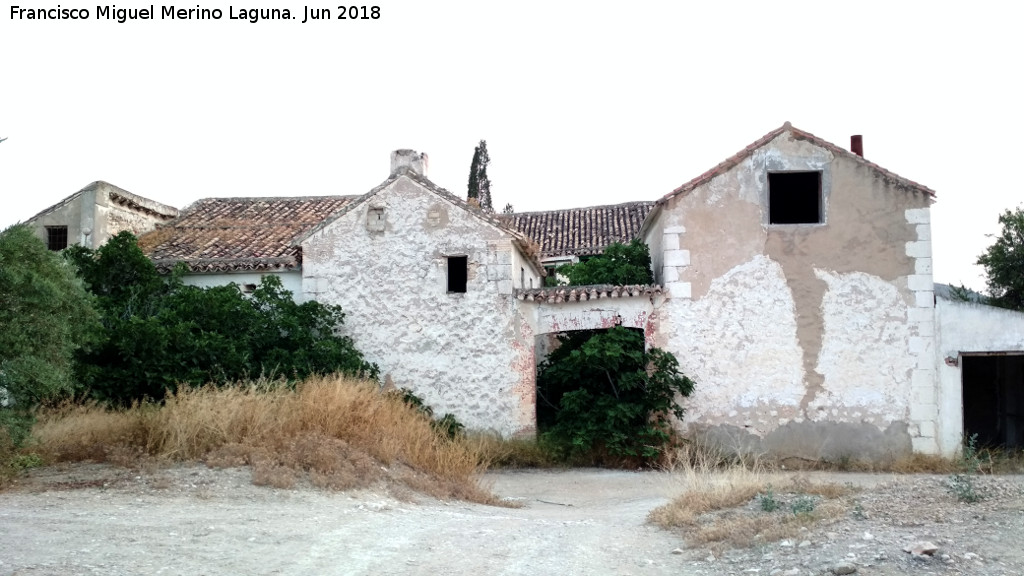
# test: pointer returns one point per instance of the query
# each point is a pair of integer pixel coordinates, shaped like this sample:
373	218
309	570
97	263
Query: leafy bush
802	505
601	391
45	315
767	500
159	333
620	264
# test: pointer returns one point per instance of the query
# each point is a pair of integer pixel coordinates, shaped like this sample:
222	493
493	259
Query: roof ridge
256	198
630	203
747	151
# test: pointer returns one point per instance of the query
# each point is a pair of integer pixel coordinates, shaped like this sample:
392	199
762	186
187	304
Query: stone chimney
410	159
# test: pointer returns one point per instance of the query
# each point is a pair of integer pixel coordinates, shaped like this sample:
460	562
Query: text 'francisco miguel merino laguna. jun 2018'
121	15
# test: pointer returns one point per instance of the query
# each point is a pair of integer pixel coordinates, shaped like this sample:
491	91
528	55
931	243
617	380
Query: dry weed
340	432
715	501
498	452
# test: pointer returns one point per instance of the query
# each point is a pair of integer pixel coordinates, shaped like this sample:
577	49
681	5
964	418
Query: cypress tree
479	184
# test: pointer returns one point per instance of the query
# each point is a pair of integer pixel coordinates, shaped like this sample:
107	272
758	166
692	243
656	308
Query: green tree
620	264
479	184
160	333
45	316
601	391
1003	262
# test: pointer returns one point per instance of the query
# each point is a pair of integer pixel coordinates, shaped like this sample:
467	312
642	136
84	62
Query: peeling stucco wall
804	339
965	328
472	353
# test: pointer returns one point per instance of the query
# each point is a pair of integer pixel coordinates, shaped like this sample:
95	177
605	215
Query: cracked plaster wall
804	340
470	354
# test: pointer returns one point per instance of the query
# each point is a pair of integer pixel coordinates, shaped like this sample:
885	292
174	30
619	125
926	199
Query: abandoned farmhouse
793	282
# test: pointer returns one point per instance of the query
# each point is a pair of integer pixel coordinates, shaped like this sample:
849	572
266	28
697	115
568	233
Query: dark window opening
794	197
248	288
375	219
993	396
56	237
458	273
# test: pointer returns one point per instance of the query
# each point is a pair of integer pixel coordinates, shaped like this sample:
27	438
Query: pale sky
580	103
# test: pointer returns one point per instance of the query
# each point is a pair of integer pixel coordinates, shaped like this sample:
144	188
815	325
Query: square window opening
458	274
56	237
794	197
375	219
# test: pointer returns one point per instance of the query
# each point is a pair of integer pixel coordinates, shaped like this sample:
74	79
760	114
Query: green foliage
45	316
802	505
969	460
963	488
15	426
447	425
620	264
479	188
160	333
963	485
1003	262
601	392
768	501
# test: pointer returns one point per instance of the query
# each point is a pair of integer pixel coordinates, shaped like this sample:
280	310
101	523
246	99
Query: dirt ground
98	520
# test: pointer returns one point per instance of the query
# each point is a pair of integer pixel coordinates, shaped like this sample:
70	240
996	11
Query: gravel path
91	519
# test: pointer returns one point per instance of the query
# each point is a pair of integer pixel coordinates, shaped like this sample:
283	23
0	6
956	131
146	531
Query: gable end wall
811	340
469	354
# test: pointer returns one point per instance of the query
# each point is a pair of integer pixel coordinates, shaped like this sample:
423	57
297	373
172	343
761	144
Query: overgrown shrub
45	316
619	264
600	391
159	333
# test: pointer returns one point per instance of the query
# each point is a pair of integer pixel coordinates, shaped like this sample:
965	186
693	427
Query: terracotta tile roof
735	159
559	294
236	234
582	231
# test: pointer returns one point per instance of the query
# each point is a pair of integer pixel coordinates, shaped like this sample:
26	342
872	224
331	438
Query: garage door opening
993	393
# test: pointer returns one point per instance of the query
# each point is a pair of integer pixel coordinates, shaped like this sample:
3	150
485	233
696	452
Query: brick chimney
857	145
410	159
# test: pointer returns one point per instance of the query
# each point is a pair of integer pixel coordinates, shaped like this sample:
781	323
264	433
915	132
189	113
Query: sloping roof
260	234
119	196
238	234
745	153
582	231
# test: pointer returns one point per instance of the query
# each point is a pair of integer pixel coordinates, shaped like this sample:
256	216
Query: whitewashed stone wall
470	354
963	328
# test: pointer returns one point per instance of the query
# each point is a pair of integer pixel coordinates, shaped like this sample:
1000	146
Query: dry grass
718	499
499	452
338	433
